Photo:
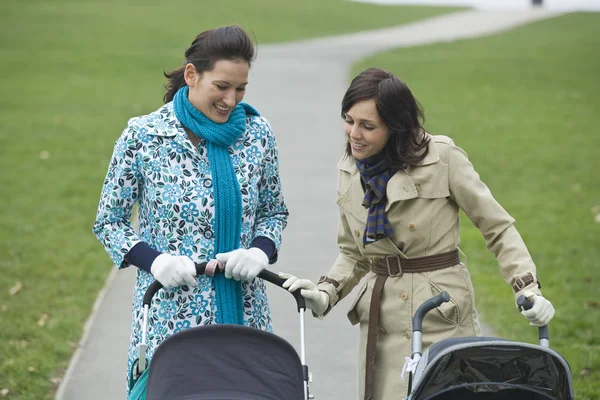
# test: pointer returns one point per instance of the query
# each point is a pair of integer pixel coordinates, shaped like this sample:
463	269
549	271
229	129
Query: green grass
72	73
525	106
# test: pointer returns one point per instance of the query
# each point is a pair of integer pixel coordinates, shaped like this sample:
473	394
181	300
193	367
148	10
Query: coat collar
164	123
400	186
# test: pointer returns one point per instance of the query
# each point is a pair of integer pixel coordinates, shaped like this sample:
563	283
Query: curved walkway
298	86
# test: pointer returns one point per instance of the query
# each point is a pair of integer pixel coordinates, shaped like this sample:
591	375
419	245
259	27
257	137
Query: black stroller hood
225	362
491	368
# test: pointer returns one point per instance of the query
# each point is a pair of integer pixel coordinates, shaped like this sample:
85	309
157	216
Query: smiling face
215	93
366	133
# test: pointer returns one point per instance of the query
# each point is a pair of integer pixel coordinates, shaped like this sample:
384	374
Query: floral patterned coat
155	164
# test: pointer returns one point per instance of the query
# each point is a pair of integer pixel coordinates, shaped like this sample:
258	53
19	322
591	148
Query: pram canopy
492	368
225	362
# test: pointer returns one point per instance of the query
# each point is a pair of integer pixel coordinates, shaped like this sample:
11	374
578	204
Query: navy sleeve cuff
142	256
266	245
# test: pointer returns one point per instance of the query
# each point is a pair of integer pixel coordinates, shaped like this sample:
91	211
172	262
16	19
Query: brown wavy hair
398	110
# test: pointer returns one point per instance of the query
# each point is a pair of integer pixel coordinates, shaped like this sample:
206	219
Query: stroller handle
426	307
525	304
200	269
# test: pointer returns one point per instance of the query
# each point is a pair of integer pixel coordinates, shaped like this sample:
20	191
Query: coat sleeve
349	268
497	226
119	193
272	212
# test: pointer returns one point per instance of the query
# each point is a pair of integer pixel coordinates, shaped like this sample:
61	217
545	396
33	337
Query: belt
395	266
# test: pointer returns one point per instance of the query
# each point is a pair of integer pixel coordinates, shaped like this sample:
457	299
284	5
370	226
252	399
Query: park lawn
72	73
524	105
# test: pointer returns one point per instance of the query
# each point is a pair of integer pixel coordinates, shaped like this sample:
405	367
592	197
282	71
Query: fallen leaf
4	307
43	319
597	218
585	372
44	155
592	304
4	392
31	369
19	343
55	380
15	289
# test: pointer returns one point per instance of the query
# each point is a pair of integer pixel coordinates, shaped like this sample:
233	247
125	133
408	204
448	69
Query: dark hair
398	110
224	43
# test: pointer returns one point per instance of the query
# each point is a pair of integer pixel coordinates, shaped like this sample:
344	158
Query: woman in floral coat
204	172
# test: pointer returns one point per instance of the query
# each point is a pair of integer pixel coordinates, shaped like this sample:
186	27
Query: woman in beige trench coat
400	190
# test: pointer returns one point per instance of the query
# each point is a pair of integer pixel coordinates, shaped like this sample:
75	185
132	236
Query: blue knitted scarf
228	200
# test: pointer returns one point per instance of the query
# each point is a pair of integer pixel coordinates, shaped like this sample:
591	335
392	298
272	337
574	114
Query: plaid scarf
375	173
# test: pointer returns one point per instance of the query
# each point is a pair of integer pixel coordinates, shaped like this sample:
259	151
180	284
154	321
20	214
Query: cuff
328	286
142	256
266	245
526	282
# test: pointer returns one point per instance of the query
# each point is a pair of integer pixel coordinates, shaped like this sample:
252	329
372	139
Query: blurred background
523	103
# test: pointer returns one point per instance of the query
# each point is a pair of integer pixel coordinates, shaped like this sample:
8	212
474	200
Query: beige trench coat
423	205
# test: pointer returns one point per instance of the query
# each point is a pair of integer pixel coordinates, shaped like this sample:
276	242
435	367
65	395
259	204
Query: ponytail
176	81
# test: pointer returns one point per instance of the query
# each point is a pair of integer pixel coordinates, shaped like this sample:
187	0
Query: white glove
542	311
174	271
316	300
244	264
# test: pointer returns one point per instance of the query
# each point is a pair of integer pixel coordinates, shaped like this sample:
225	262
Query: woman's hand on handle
172	271
316	300
243	264
542	311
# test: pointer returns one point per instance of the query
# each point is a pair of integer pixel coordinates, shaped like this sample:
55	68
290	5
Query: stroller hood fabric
491	368
225	362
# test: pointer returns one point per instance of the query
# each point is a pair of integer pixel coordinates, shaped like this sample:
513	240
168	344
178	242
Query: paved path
298	87
564	5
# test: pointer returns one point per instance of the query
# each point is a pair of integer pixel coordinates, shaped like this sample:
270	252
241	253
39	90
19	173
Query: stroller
484	368
221	362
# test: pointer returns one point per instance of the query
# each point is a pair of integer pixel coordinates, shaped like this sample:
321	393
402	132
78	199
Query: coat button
381	330
376	260
418	187
357	233
404	296
412	227
407	334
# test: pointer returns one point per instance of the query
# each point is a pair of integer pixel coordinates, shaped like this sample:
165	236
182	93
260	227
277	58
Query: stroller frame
210	269
422	367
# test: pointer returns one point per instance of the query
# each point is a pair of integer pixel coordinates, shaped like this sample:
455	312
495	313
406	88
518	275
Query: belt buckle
387	264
